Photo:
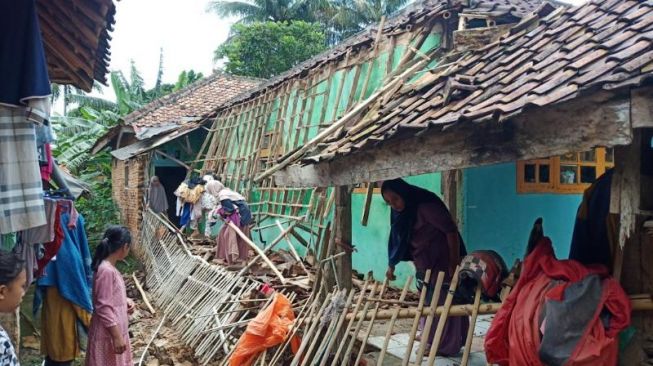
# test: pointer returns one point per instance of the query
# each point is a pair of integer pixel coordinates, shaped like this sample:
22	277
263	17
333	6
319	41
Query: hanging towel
71	271
21	191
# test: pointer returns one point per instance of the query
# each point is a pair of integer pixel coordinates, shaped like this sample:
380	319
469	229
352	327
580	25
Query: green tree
265	49
348	17
339	18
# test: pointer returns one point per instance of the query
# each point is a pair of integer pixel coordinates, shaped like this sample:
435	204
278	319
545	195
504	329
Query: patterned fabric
7	353
485	266
21	191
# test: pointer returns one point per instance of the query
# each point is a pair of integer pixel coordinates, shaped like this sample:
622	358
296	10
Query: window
126	173
569	173
362	188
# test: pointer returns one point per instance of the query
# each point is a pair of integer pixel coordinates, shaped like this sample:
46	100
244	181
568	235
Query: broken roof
76	39
196	101
413	14
542	61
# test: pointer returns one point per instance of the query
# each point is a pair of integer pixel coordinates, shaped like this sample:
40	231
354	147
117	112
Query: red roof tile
602	44
198	100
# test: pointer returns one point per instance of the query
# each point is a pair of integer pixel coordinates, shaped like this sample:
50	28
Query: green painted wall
177	149
497	217
371	241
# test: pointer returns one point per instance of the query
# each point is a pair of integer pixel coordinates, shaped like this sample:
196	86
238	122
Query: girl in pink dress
108	337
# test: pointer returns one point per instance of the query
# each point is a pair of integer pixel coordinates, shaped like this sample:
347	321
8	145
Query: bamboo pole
472	325
308	336
426	332
258	250
388	333
371	59
359	301
371	325
341	122
418	314
443	318
359	325
267	249
143	295
292	249
336	332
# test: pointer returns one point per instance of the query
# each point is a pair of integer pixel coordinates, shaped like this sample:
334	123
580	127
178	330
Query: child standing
108	338
13	280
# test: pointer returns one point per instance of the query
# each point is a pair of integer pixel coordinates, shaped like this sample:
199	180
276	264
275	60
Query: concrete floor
399	344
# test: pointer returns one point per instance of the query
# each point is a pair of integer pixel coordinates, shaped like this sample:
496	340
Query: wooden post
449	189
342	229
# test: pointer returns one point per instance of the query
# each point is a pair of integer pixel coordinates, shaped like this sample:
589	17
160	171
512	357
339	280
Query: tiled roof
76	39
198	100
498	8
605	44
411	15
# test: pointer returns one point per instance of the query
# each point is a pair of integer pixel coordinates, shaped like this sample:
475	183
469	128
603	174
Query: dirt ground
166	349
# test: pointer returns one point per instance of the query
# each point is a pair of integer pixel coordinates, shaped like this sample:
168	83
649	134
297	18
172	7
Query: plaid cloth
21	191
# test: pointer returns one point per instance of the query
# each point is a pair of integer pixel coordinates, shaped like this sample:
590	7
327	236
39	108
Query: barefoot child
108	338
13	280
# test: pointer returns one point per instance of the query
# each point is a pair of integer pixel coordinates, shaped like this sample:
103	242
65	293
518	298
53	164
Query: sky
183	28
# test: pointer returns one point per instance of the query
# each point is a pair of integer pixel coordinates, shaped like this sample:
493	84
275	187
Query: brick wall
129	185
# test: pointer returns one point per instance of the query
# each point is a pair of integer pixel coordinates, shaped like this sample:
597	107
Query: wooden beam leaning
341	122
257	250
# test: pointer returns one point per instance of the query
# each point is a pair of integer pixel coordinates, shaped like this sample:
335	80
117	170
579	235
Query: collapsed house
160	137
555	95
43	42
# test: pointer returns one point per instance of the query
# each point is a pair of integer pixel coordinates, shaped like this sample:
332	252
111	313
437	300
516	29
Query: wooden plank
642	107
360	107
368	203
601	119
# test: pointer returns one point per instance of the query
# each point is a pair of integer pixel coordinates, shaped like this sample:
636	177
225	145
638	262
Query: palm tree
250	11
340	18
351	16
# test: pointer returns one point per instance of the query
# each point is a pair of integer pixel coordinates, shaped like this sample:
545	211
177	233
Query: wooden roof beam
602	119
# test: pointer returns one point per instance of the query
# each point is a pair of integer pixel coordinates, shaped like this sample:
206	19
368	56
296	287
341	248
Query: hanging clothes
62	323
595	230
23	66
48	167
27	253
44	233
65	290
533	327
24	92
21	197
51	248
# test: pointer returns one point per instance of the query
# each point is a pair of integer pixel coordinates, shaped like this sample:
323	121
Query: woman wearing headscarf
423	232
230	248
156	196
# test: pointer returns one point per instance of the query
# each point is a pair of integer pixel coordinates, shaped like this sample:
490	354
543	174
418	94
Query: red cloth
46	170
52	248
271	327
514	337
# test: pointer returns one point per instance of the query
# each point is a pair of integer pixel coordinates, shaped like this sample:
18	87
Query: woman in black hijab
423	232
